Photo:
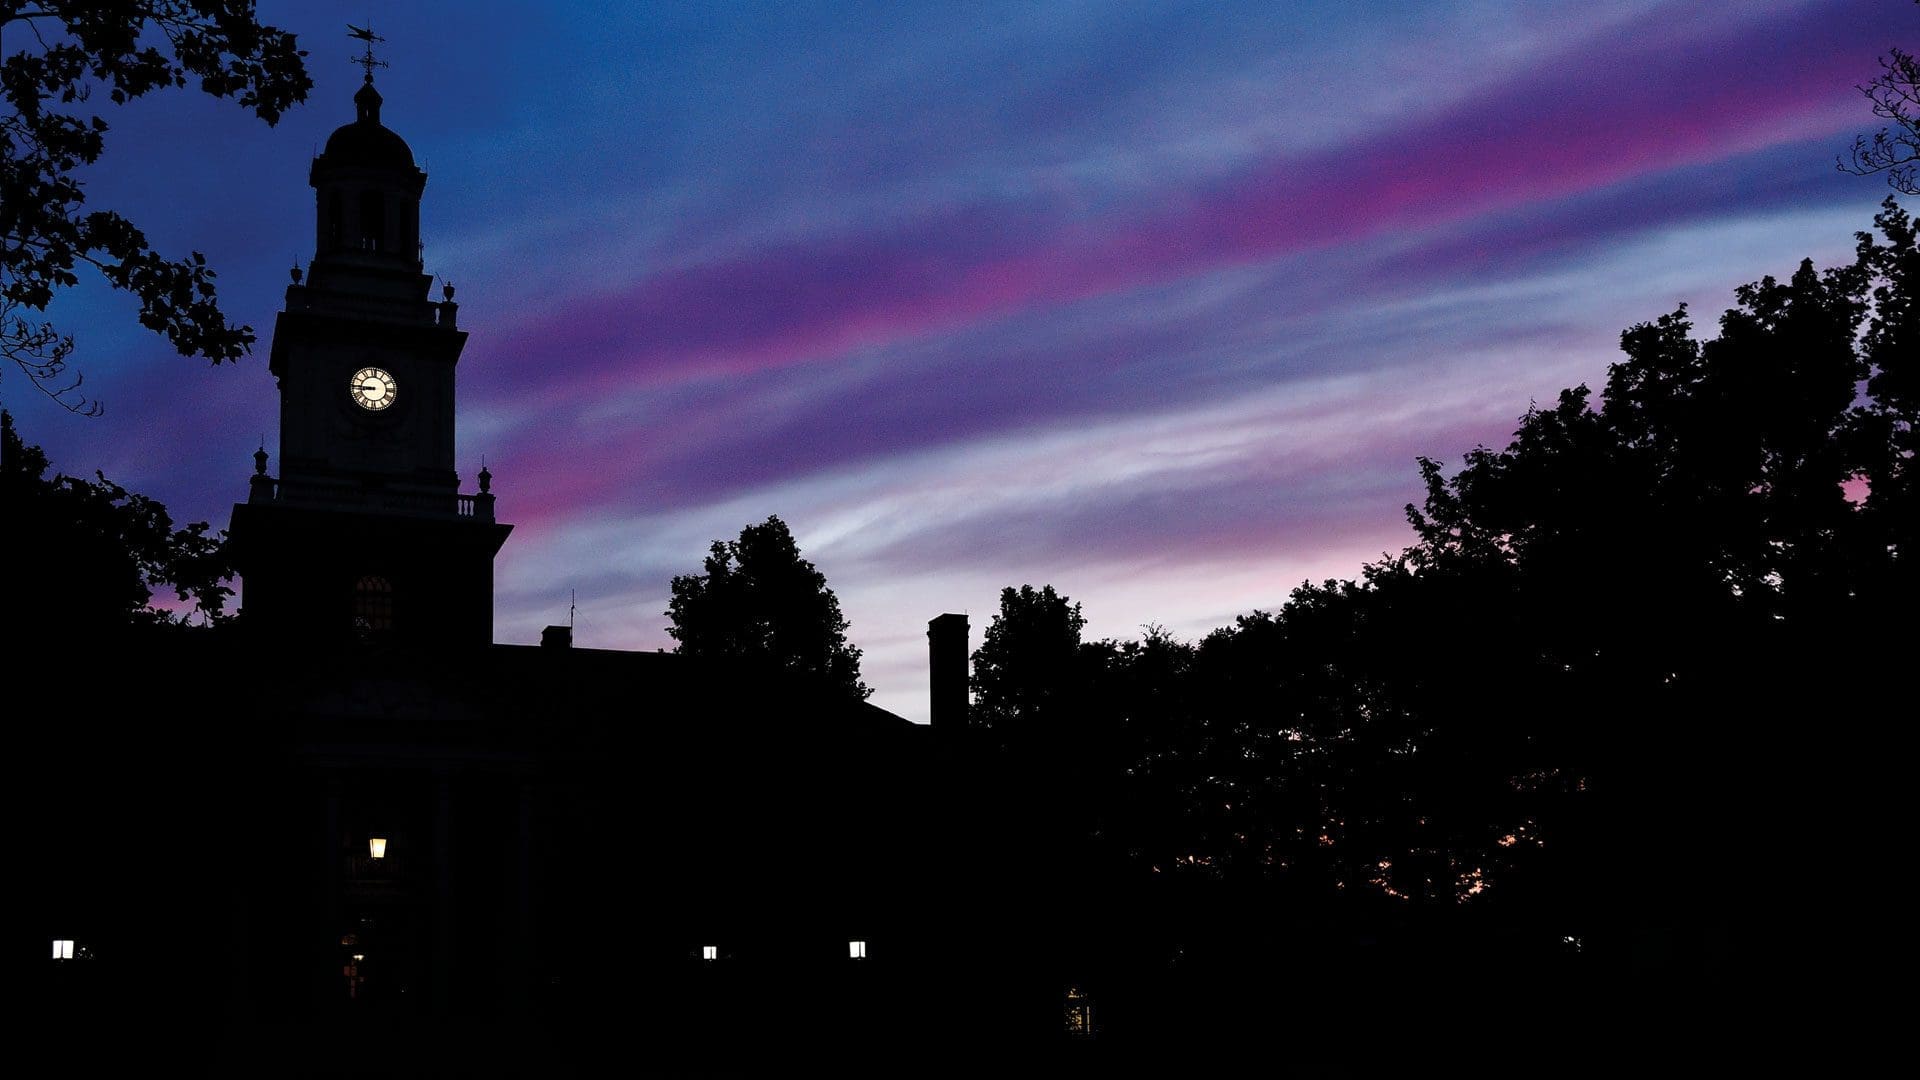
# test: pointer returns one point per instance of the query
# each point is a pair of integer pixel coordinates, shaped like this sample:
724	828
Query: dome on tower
366	141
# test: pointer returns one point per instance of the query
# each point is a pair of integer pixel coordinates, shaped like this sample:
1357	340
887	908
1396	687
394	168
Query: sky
1157	303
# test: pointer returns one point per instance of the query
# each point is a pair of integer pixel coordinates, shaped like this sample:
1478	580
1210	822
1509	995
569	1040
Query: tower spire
366	60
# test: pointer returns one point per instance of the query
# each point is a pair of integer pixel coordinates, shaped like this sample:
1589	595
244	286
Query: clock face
372	389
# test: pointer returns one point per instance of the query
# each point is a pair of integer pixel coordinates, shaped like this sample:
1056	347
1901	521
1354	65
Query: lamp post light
377	847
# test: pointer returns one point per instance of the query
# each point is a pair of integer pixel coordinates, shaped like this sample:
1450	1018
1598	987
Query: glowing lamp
62	950
377	847
709	952
856	950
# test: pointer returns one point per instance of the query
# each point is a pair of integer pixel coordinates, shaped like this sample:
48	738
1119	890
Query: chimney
557	637
947	666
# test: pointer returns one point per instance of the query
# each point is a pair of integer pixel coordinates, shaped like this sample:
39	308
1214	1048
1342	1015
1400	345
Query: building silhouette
364	530
355	812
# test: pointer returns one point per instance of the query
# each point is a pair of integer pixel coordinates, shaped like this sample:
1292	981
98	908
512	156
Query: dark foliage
69	52
1576	696
1029	676
761	603
86	556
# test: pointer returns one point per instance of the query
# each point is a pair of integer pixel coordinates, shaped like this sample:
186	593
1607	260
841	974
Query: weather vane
368	60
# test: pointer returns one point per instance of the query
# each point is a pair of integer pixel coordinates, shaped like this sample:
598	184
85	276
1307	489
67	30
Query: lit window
1079	1012
377	846
857	950
63	950
709	952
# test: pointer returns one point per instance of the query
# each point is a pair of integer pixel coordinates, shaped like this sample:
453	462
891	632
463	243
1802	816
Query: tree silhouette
1057	707
76	48
88	555
761	603
1712	482
1604	683
1895	150
1026	672
1884	430
1691	566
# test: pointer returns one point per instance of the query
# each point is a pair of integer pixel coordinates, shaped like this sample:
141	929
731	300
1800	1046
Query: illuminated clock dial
372	389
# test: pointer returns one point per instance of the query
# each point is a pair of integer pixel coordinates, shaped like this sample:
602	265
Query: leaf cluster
76	51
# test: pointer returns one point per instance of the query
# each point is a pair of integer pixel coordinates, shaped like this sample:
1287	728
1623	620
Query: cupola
368	191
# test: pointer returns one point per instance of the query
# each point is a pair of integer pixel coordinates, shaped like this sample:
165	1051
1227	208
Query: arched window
373	220
373	605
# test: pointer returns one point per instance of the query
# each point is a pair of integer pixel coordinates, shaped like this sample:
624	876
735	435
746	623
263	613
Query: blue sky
1153	302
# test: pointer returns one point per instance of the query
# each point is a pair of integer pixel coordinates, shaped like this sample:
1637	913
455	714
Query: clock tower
365	535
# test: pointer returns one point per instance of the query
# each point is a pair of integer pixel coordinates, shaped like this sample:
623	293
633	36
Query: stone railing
267	489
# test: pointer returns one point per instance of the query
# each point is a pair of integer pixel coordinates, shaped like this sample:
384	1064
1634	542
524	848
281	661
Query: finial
486	478
446	291
297	274
260	458
366	60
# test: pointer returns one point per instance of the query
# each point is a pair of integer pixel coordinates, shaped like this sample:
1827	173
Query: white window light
856	950
62	950
709	952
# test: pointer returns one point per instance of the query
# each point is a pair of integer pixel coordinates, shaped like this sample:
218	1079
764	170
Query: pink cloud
1646	101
